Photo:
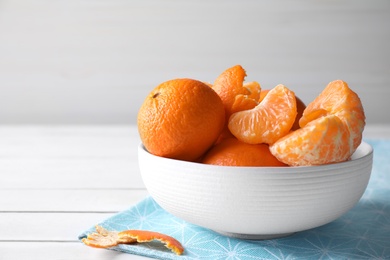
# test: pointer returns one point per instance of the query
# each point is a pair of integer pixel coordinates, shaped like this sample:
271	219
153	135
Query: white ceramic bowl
256	202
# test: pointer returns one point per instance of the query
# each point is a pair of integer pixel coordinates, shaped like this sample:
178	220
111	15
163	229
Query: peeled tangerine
271	119
338	99
323	140
331	129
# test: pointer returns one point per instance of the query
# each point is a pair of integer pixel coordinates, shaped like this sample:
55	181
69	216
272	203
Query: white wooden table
57	181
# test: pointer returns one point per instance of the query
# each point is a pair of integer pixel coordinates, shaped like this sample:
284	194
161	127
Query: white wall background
94	61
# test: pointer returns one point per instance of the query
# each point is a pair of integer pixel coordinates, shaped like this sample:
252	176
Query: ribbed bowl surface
256	202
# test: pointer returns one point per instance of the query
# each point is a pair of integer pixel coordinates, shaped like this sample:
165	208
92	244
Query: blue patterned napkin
362	233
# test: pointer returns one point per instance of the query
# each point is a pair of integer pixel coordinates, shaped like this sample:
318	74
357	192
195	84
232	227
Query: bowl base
254	236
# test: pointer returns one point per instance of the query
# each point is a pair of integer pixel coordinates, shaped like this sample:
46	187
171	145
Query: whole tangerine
181	119
233	152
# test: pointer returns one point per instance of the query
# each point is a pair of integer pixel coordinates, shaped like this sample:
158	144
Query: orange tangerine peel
236	95
104	239
254	89
243	102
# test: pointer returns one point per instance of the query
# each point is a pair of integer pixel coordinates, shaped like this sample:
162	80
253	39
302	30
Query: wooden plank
69	142
72	200
69	157
75	173
61	181
58	250
47	226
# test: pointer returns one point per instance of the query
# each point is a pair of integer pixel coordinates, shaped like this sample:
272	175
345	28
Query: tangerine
331	129
271	119
321	141
236	95
254	89
232	152
338	99
180	119
300	108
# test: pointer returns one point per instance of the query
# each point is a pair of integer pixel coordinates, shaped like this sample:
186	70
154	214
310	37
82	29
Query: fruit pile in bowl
253	163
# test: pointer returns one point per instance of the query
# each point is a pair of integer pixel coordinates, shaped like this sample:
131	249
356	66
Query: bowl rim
284	169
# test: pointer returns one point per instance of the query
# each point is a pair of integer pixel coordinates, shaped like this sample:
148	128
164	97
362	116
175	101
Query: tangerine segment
321	141
230	84
268	121
232	152
338	99
181	119
104	239
300	108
